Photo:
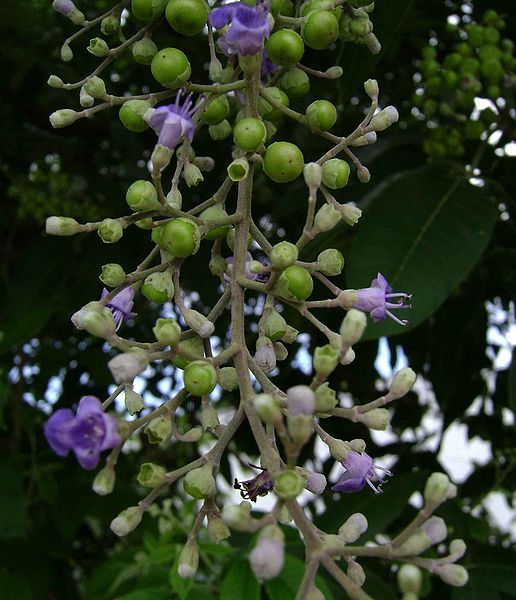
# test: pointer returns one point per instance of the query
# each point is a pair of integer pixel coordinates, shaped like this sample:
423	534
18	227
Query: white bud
353	528
356	573
455	575
457	549
199	323
316	483
371	88
265	356
104	481
312	173
62	226
377	419
128	365
63	118
267	559
300	400
363	173
348	358
267	408
410	579
127	520
384	119
402	383
437	489
188	561
353	327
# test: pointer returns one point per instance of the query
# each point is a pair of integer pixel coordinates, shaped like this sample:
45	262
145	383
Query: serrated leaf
424	231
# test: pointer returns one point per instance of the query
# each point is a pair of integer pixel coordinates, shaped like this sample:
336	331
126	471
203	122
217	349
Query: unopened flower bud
357	445
409	579
158	430
330	262
188	561
110	231
238	169
160	157
268	556
371	88
158	287
338	448
167	331
373	43
316	483
377	419
112	275
133	401
96	319
455	575
433	531
325	360
66	53
353	528
68	9
192	435
200	482
437	489
127	520
142	196
55	82
384	119
144	51
315	594
63	118
193	175
356	573
265	356
228	379
363	174
353	327
62	226
198	322
283	255
348	358
350	214
274	325
151	475
335	173
325	398
104	481
237	516
402	383
218	265
312	173
364	140
217	529
288	484
128	365
209	417
98	47
267	408
300	400
326	218
215	70
95	87
457	549
110	24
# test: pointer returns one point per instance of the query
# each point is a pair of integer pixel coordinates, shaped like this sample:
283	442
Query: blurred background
438	222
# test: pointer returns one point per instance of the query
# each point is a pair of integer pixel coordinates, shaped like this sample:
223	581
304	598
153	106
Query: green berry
249	134
167	331
144	51
145	10
131	114
335	173
187	16
216	111
295	282
295	83
492	70
283	162
142	196
200	378
211	214
266	109
181	237
320	30
321	114
285	48
194	346
283	255
171	68
491	35
158	287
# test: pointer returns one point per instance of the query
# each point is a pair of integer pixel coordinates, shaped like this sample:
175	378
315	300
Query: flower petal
57	431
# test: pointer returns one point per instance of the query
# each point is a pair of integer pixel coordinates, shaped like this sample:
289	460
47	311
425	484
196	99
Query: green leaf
240	583
13	509
14	587
156	593
424	231
286	584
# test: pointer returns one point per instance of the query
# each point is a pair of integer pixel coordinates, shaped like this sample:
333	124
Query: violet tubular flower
376	300
248	27
121	305
360	469
87	433
174	121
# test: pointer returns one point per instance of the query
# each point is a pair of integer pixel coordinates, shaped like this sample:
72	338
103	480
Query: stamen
395	318
375	489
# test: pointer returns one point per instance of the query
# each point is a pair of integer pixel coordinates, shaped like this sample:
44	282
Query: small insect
258	486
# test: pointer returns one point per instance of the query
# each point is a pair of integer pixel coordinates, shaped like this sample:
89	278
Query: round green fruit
171	68
216	111
320	30
283	162
142	196
285	48
249	134
145	10
297	282
200	378
180	237
187	16
321	114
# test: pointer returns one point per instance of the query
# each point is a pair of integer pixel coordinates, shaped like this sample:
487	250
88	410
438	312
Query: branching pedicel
262	46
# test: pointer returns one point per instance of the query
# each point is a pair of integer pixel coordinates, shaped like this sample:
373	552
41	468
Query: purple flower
376	300
174	121
121	305
267	66
360	469
248	27
88	433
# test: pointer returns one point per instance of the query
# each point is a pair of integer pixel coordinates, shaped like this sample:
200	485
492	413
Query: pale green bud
188	561
104	481
209	417
199	323
325	360
288	484
457	549
160	157
218	265
175	199
217	529
338	448
128	365
410	579
353	327
66	53
335	173
96	87
220	131
200	482
205	163
371	88
192	435
62	226
284	516
112	274
373	43
228	378
357	445
193	175
63	118
353	528
238	169
334	72
325	398
356	573
438	489
85	100
274	324
133	401
455	575
158	430
378	419
96	319
215	70
312	173
127	520
364	140
283	255
237	516
330	262
348	357
315	594
316	483
142	196
384	119
433	531
326	218
55	82
151	475
158	287
167	331
110	231
98	47
402	383
290	335
267	409
144	50
110	25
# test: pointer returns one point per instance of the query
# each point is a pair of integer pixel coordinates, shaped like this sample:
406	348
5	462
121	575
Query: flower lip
174	121
360	469
376	300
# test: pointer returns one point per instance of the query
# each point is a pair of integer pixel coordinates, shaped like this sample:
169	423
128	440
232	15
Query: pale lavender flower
376	300
121	305
248	27
174	121
360	469
87	433
63	7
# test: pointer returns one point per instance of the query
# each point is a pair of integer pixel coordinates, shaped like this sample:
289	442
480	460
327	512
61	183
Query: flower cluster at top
257	65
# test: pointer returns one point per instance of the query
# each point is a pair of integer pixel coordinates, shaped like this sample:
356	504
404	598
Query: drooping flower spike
360	469
248	27
121	305
376	300
174	121
87	433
